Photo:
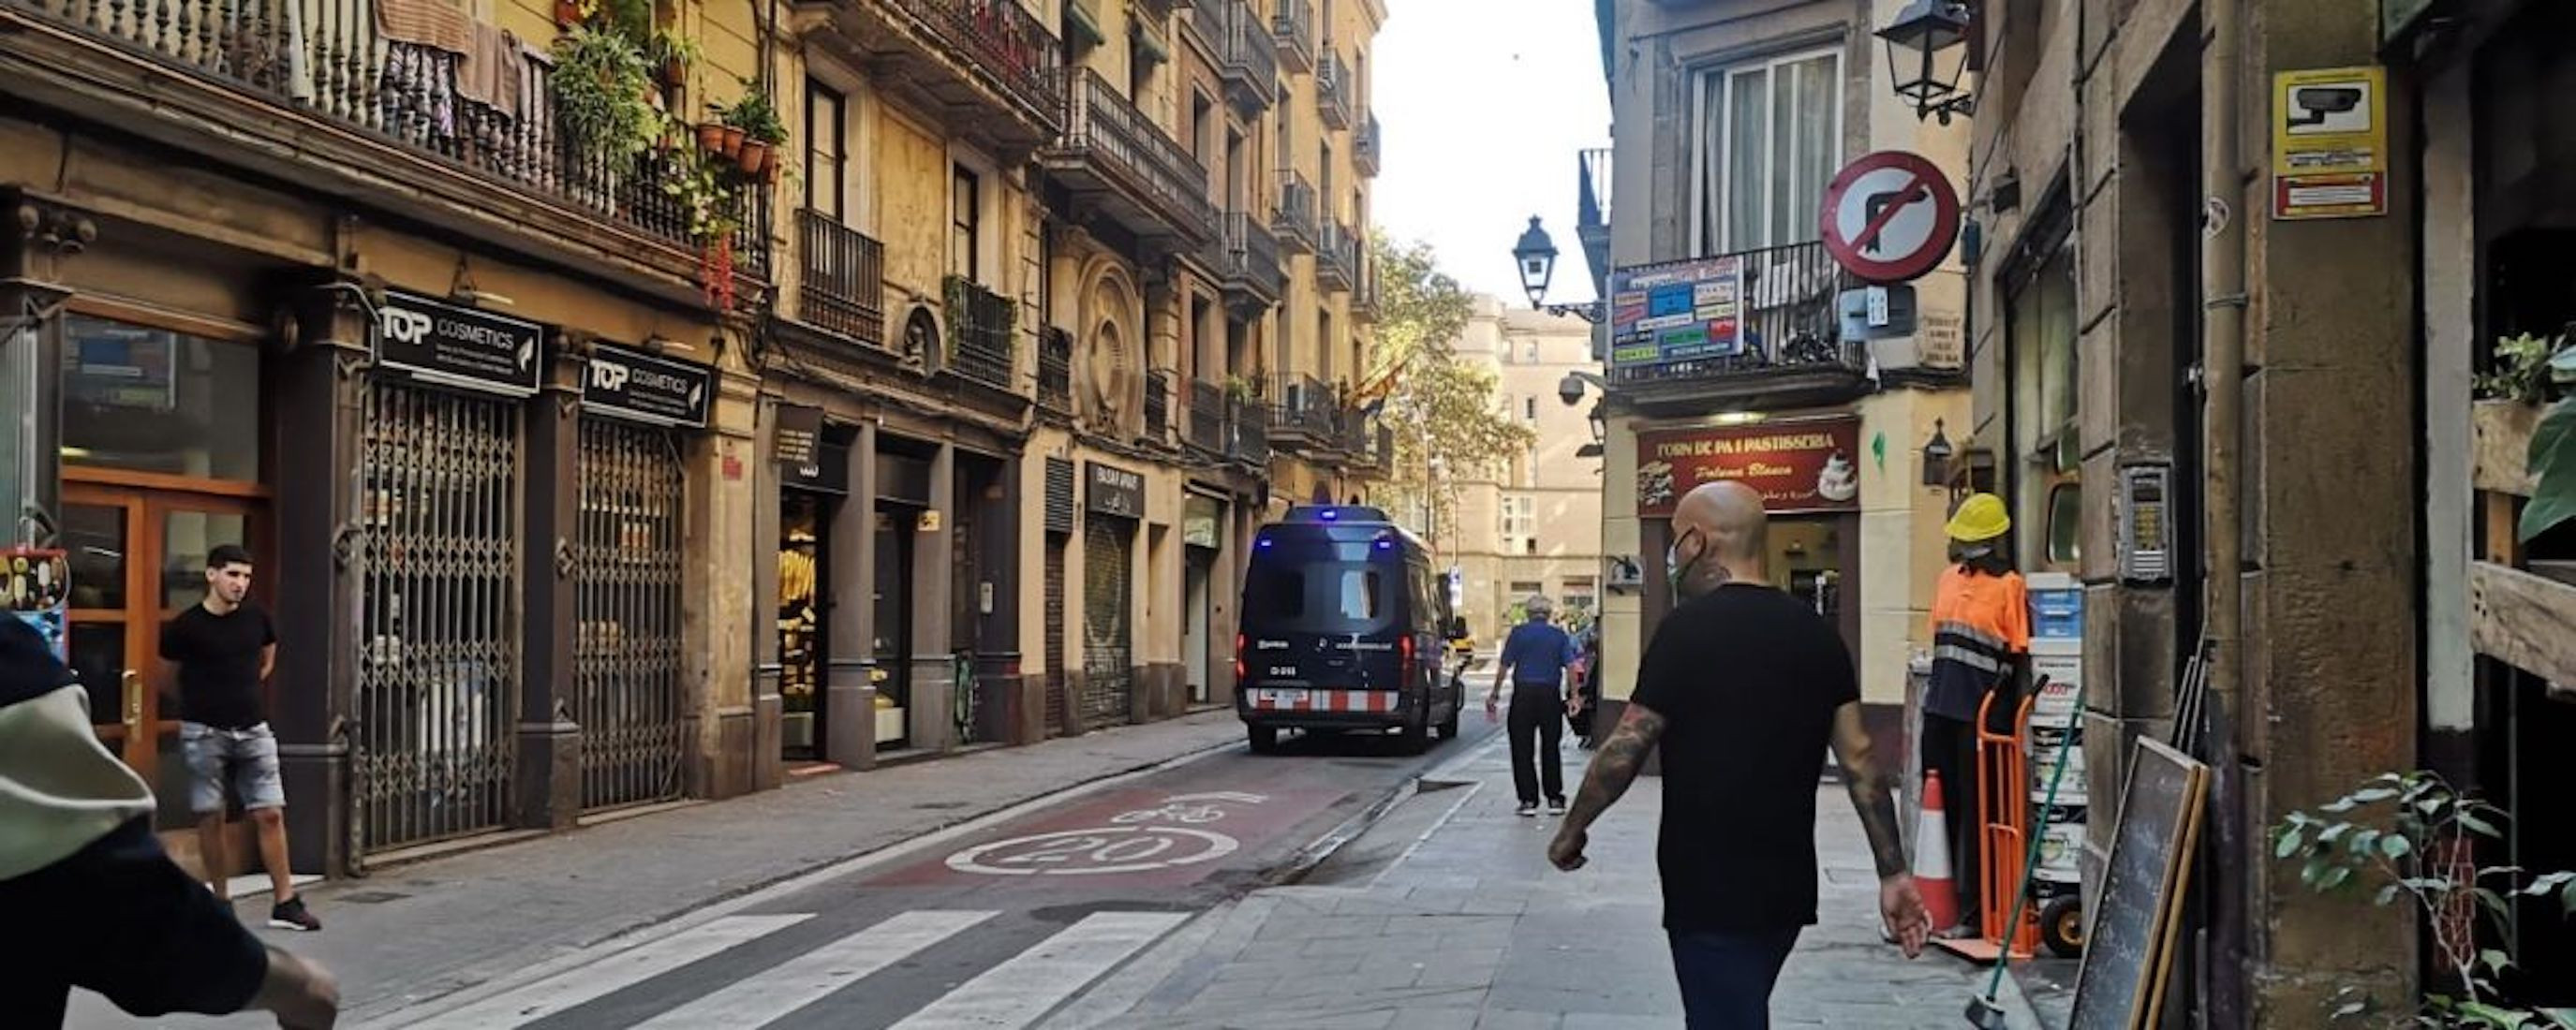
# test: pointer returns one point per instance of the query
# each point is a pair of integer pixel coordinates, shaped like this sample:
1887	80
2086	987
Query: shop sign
798	440
443	343
1114	491
1800	466
2330	143
631	384
804	459
1676	311
1199	518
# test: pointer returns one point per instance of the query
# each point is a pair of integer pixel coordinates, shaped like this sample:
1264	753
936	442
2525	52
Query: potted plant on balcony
673	54
762	130
604	101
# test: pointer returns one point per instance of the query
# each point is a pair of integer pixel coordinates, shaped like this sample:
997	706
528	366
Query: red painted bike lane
1170	835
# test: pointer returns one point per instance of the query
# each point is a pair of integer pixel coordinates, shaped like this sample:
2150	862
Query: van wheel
1416	734
1265	739
1449	726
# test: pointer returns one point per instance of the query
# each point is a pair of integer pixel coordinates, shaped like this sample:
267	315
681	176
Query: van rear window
1282	593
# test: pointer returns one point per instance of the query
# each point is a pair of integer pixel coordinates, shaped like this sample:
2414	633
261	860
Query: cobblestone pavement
1449	916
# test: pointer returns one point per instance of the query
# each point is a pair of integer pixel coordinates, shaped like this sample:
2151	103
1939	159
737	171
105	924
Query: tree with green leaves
1442	412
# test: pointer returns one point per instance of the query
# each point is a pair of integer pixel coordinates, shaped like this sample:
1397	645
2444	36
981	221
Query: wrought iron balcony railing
1305	407
843	286
1247	59
1789	326
1364	292
1248	262
1249	438
1592	212
1365	143
1137	173
1002	40
1293	27
1293	220
983	331
1158	405
332	60
1333	89
1337	257
1055	370
1207	417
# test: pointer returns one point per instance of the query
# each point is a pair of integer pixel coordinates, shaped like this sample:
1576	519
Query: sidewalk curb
415	1011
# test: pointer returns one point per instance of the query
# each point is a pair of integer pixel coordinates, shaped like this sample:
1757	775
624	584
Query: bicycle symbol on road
1137	841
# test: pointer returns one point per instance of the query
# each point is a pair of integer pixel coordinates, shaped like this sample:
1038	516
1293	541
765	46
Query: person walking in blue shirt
1534	660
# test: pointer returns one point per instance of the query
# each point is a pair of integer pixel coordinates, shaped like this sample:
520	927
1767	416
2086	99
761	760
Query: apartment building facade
356	289
1096	322
1530	524
631	403
1731	117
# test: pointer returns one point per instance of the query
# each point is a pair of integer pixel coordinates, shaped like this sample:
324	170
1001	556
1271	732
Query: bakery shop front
1808	472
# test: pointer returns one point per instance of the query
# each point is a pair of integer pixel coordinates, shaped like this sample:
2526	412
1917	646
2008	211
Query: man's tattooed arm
1870	791
1614	765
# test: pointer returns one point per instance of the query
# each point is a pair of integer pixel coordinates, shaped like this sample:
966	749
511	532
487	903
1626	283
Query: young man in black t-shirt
225	649
1744	687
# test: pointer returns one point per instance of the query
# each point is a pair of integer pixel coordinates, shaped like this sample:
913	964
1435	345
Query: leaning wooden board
2128	949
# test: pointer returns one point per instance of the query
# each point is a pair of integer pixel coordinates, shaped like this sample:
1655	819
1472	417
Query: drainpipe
2223	305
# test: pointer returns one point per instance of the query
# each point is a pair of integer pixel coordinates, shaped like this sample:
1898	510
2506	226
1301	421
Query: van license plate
1284	697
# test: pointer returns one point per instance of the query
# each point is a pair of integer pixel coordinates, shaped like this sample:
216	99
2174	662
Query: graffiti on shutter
1108	576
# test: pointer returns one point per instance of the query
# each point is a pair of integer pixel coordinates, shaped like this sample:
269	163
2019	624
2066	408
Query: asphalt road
993	929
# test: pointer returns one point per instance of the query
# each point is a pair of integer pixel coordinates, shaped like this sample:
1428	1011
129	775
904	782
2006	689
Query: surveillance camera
1570	390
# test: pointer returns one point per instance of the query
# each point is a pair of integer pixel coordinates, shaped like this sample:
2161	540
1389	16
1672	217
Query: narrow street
993	922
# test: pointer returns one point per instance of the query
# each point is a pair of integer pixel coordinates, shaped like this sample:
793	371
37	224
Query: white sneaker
1527	810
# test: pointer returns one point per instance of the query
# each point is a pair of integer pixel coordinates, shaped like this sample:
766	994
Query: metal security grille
626	561
1055	573
1106	640
438	667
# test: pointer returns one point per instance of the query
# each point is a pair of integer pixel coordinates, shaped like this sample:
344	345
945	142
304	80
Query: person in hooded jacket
99	904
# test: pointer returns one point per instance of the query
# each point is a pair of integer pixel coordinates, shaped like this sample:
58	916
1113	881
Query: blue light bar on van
1329	514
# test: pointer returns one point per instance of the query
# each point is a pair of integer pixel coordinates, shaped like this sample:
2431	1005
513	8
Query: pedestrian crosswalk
1012	994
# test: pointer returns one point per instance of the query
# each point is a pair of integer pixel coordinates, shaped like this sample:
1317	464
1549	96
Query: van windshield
1318	588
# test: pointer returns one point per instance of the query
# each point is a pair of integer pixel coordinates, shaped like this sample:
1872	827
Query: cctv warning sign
2330	143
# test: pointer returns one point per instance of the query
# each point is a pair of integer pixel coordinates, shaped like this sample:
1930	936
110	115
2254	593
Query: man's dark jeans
1538	711
1726	977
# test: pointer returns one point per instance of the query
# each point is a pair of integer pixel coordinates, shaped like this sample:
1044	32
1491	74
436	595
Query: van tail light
1404	648
1240	670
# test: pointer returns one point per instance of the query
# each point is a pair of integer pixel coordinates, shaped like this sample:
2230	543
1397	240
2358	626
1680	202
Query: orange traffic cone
1932	858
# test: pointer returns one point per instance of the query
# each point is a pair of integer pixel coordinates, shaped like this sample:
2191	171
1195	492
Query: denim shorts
244	759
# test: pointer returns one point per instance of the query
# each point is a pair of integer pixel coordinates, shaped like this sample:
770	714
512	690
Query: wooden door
138	557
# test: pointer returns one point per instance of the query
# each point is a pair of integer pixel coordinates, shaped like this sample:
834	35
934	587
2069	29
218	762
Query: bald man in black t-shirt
1744	688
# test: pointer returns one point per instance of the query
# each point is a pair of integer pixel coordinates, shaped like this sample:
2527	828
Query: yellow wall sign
2330	143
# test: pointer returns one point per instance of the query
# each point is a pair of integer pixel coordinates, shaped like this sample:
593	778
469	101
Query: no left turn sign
1890	217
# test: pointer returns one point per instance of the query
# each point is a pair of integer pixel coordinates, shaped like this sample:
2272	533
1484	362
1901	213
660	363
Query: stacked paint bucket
2057	735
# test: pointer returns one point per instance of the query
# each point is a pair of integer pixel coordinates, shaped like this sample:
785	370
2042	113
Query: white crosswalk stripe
1028	985
616	971
807	978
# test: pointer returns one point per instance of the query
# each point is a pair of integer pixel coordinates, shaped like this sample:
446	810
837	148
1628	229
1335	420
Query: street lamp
1936	456
1926	51
1536	255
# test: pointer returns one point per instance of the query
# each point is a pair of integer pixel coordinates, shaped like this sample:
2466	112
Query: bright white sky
1484	104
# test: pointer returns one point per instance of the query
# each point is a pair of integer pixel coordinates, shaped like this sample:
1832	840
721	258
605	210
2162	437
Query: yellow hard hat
1981	517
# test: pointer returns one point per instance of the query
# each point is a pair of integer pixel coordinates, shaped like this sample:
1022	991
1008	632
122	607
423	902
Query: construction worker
1980	645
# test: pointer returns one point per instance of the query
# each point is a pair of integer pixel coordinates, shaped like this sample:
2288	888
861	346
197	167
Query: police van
1343	628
